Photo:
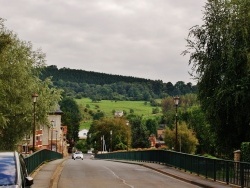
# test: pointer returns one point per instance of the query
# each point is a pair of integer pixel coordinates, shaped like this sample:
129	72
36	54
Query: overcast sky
139	38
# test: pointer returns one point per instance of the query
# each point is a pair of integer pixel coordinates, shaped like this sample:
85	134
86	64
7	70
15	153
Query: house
83	134
160	134
152	140
51	136
119	113
160	138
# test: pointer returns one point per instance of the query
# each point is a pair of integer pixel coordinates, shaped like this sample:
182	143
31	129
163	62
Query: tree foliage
187	140
169	108
152	125
100	86
220	57
19	70
140	134
121	134
71	118
195	119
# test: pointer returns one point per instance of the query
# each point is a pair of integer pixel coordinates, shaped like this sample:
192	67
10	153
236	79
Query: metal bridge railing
34	160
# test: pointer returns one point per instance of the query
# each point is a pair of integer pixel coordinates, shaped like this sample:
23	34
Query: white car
77	155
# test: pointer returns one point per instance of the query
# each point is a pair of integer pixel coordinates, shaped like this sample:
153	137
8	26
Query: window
7	170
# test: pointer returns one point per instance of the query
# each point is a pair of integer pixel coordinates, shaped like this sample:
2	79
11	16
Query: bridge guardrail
34	160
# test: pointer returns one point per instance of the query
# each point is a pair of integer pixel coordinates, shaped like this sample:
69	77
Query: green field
108	106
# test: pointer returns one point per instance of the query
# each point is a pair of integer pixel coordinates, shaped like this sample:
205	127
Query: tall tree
71	118
151	125
195	119
140	134
19	70
220	57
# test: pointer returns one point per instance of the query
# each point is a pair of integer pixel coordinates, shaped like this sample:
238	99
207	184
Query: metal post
111	140
56	140
62	132
62	146
127	123
34	96
127	141
176	131
101	144
52	126
95	146
176	101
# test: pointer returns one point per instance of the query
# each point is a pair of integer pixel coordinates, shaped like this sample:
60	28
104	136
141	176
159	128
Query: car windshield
7	170
78	152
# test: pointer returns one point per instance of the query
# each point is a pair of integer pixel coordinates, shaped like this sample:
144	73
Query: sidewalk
47	175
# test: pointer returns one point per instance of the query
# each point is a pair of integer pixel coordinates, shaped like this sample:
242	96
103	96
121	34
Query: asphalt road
91	173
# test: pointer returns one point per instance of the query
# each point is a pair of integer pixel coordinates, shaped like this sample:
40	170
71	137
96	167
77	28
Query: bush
245	151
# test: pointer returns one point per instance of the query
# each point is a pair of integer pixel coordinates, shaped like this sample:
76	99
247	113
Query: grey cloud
141	38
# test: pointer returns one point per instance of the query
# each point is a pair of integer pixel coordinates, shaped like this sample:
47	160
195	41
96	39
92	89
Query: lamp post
176	102
111	140
62	145
52	127
127	123
56	140
62	138
101	144
34	97
95	146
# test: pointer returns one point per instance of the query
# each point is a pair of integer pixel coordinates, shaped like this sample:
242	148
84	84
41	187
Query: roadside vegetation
219	52
20	67
213	116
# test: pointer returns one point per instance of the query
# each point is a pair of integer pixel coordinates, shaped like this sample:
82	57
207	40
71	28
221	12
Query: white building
119	113
82	134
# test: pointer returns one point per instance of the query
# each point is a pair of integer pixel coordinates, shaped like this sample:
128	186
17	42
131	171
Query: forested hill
82	76
80	83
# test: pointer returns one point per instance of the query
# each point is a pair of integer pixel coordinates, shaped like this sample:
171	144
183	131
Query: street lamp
52	126
127	123
176	102
56	140
62	138
95	145
111	141
101	145
34	97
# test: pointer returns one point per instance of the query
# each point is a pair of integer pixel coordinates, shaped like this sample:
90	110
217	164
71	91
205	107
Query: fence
230	172
34	160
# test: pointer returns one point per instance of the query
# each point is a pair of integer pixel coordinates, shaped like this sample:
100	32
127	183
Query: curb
178	177
55	177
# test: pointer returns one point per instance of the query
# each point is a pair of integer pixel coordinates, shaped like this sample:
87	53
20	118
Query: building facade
52	136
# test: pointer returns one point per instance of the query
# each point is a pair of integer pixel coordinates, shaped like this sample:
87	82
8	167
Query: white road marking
123	181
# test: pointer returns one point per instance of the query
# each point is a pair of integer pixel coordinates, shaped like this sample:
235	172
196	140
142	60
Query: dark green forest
101	86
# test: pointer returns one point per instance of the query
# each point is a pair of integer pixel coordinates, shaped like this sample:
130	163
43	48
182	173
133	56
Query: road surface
92	173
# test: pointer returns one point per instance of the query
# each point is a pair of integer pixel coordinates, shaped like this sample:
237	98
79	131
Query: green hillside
99	86
109	106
